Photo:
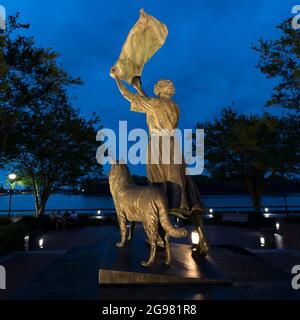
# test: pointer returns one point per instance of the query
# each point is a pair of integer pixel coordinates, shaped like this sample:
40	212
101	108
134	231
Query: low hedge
4	221
11	238
30	222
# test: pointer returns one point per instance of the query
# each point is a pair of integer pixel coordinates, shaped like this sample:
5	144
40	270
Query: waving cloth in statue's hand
144	39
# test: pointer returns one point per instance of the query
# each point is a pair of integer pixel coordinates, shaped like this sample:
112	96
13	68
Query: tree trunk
41	208
42	203
41	198
256	218
256	190
36	203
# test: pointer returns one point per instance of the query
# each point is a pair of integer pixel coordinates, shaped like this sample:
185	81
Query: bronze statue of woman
163	114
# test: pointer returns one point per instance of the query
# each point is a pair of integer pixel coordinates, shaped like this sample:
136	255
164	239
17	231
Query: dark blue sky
207	54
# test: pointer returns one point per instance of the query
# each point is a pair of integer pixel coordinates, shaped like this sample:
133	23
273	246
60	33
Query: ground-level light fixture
279	241
195	237
277	226
262	241
99	215
195	240
267	215
41	243
26	242
211	210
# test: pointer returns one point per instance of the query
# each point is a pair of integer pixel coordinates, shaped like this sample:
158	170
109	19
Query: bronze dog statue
142	204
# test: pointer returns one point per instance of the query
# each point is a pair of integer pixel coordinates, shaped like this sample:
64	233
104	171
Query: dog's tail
167	226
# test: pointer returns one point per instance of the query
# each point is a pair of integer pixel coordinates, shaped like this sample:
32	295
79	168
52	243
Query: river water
62	201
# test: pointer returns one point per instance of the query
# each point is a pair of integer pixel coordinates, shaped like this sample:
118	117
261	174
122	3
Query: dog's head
119	174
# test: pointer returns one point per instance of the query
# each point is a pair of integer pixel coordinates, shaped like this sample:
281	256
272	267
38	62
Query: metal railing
215	210
55	211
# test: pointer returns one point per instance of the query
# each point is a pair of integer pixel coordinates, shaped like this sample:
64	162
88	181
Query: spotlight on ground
195	240
26	242
262	241
41	243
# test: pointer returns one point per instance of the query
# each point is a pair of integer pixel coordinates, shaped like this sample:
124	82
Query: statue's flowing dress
181	191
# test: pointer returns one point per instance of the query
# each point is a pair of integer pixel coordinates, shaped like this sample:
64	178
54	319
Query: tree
48	143
253	149
30	80
280	59
55	149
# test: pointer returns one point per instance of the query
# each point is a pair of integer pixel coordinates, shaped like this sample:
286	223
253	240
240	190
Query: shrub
11	238
4	221
30	222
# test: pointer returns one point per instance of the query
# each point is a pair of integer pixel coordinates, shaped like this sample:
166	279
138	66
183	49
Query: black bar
145	309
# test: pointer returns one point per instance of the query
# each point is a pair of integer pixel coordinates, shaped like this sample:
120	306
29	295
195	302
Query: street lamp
11	177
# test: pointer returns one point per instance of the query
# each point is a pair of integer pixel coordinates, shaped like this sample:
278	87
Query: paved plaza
68	266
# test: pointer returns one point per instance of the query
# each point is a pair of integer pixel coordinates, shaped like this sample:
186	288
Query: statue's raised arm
128	95
136	83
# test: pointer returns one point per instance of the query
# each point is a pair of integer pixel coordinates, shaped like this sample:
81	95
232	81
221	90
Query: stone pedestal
122	267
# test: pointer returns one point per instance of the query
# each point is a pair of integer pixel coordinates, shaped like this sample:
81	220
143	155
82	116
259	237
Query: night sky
207	54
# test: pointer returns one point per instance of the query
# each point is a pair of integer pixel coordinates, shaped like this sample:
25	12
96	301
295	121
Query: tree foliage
46	141
55	149
280	59
30	78
252	148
